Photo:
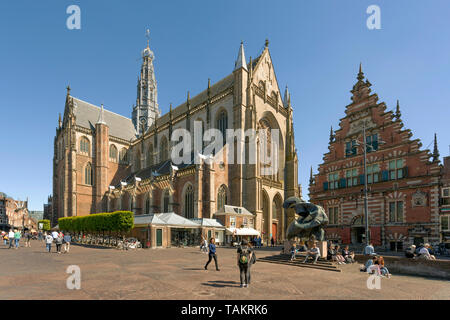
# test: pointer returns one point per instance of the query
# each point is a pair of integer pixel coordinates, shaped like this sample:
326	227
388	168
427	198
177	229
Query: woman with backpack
245	258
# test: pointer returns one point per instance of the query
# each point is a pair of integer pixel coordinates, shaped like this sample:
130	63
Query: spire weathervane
147	35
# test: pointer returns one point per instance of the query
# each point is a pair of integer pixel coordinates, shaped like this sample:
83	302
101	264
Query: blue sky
316	48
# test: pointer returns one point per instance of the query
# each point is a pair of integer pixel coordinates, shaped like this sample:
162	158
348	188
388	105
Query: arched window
189	203
166	200
123	156
163	150
147	204
221	198
85	146
137	160
113	153
222	124
150	155
88	174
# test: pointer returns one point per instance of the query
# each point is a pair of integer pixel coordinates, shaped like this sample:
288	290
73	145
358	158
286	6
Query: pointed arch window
123	156
137	160
85	146
221	198
163	149
222	124
150	155
166	200
113	153
147	204
88	174
189	202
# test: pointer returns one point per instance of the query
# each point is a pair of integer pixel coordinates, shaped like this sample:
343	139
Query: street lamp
365	147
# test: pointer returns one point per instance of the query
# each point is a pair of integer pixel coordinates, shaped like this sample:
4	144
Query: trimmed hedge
45	224
118	221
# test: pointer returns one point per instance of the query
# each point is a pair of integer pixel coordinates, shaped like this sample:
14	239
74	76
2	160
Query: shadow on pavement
222	284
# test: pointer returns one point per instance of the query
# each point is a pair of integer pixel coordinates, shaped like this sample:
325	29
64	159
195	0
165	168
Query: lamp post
365	145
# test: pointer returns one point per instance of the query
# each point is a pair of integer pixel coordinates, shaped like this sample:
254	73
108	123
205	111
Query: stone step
301	264
298	259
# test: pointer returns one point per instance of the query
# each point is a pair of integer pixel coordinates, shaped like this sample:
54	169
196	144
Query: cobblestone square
177	273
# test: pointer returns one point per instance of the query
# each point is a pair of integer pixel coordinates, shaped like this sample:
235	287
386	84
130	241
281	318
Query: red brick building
105	162
445	201
403	183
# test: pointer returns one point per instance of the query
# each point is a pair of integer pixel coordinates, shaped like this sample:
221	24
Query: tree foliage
45	224
118	221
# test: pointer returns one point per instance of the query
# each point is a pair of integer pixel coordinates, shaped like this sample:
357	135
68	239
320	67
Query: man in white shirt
314	252
11	238
54	234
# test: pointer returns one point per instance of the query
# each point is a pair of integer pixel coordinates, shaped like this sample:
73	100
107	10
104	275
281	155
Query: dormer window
350	148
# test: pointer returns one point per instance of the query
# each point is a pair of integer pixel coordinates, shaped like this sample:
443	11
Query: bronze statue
311	221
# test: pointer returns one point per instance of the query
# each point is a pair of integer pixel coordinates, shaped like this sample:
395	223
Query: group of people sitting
375	265
341	256
423	252
334	253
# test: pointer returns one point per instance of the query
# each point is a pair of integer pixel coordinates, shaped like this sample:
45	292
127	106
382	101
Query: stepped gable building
403	182
106	162
445	202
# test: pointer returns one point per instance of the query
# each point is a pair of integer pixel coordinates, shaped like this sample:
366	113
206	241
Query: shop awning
169	219
243	231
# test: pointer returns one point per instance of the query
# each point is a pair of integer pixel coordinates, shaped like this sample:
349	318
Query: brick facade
250	99
403	182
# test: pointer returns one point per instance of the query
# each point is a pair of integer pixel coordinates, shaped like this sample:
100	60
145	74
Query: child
293	251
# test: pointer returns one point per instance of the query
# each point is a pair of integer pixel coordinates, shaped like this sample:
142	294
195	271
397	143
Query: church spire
146	110
435	150
241	62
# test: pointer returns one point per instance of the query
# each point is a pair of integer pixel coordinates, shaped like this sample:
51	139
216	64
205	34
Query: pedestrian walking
212	254
11	238
48	242
272	242
17	236
59	242
245	258
5	238
67	239
28	236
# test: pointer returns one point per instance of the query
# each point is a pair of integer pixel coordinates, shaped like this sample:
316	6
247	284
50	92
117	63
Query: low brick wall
414	267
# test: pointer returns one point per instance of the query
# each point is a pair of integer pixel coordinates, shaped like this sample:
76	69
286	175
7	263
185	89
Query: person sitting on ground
293	251
349	256
314	252
384	271
330	251
369	250
374	267
337	255
410	252
425	254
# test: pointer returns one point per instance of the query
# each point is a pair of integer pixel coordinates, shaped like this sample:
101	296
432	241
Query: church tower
146	109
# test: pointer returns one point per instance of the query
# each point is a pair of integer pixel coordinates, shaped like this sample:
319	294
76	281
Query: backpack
244	255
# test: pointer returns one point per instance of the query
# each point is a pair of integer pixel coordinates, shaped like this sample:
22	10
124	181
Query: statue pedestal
322	245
